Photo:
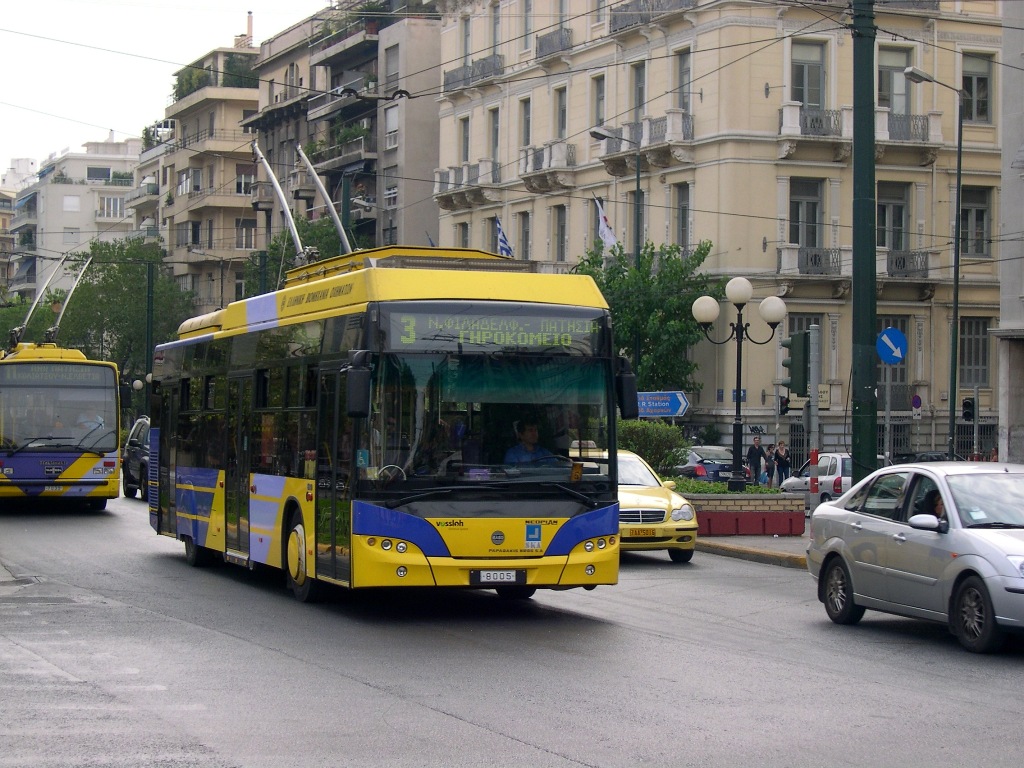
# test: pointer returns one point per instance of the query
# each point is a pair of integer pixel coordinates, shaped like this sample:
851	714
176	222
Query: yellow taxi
652	515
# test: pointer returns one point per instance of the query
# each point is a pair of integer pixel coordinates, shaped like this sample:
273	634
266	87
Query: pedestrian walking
783	462
769	465
755	458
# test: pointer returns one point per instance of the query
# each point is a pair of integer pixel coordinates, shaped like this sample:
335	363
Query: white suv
835	476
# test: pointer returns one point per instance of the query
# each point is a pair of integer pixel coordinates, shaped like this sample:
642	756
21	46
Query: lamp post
915	75
602	134
705	311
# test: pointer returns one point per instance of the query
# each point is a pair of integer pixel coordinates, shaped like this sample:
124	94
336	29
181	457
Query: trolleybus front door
334	486
236	480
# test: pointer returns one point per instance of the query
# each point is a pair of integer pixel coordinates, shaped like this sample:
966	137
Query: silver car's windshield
989	499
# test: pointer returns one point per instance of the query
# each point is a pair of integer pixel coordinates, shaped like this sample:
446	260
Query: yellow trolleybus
59	426
355	426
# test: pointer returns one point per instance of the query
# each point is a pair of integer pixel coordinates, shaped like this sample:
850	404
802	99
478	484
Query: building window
524	235
977	83
561	116
809	74
462	235
246	114
974	221
97	174
181	234
245	175
464	139
195	234
495	128
524	123
111	207
639	75
682	214
892	84
495	27
239	286
558	231
186	283
796	323
72	235
391	73
974	344
389	232
390	178
805	212
245	234
467	45
72	203
390	127
492	234
683	76
209	233
599	100
599	10
527	31
898	373
891	216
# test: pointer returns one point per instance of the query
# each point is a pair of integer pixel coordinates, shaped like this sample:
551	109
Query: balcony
477	73
352	41
143	194
554	43
800	125
343	153
262	196
814	261
339	98
912	264
468	185
635	12
551	168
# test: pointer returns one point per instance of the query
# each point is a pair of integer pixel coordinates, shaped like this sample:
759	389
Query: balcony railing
460	77
820	122
643	11
819	261
487	67
144	190
907	264
908	127
554	42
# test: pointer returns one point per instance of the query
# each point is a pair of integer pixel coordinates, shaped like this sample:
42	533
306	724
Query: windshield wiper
28	441
995	525
572	492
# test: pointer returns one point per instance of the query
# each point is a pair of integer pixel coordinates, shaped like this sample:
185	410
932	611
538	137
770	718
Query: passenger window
916	503
884	496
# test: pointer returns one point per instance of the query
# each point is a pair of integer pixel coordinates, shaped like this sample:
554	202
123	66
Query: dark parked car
911	458
135	458
712	463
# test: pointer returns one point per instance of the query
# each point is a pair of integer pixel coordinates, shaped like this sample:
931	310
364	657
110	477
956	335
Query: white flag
504	249
604	228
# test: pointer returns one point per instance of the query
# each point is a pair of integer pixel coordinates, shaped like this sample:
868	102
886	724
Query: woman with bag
782	461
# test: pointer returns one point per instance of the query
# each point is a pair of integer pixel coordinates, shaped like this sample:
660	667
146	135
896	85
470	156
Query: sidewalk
787	551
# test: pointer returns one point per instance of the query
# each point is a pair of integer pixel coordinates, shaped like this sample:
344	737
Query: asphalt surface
785	551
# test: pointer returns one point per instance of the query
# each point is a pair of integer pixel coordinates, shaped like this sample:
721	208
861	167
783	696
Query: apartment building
354	87
200	160
6	241
740	117
76	197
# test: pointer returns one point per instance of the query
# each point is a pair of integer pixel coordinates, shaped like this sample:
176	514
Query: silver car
888	545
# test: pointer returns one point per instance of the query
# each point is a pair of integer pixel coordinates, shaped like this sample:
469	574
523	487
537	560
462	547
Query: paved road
113	652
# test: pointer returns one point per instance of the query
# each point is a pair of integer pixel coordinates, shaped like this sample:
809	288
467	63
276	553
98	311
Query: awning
22	200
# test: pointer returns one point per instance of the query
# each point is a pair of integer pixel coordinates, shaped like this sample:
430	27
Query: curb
783	559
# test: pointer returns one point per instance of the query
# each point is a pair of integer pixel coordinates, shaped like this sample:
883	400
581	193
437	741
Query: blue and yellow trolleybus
59	426
354	427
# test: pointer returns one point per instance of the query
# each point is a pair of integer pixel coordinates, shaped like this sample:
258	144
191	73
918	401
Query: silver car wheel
838	594
974	620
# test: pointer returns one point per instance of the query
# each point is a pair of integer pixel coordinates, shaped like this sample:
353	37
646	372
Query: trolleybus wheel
195	555
515	593
303	586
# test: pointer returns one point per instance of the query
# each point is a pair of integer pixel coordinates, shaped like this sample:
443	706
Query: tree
319	234
105	316
654	299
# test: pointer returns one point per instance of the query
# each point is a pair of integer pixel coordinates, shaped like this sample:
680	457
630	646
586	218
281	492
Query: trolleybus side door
236	470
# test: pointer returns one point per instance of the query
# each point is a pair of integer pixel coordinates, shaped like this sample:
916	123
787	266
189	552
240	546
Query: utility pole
864	418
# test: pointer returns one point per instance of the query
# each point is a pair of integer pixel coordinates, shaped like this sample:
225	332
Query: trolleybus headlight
401	571
371	542
588	546
590	570
611	541
601	544
401	546
385	544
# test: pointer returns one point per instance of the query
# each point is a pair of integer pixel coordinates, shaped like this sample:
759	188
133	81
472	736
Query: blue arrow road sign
655	404
891	346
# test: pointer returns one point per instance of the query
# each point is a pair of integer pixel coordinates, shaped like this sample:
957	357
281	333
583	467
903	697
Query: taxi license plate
641	531
497	576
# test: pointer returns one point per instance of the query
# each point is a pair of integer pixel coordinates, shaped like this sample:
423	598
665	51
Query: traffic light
799	346
968	409
783	406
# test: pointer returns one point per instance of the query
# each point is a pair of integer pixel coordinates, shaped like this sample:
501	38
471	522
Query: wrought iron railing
818	261
821	122
907	263
908	127
554	42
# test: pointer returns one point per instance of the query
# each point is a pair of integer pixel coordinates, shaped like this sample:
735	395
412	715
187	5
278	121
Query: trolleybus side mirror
358	387
625	390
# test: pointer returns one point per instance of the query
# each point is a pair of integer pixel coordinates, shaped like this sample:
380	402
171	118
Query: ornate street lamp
705	311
